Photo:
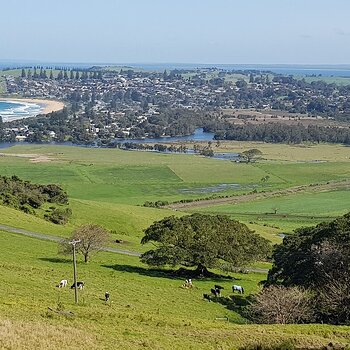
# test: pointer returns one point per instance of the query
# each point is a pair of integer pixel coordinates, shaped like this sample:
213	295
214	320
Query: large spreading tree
204	241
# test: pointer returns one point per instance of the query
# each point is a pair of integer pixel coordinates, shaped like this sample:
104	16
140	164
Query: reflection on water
198	136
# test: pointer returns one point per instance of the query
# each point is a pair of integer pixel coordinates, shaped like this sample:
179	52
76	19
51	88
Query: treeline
162	147
278	133
62	74
27	197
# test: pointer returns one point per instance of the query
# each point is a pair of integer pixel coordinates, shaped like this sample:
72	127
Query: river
198	136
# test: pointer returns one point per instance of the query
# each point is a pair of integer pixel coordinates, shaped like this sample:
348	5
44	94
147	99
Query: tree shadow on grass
235	303
57	260
162	273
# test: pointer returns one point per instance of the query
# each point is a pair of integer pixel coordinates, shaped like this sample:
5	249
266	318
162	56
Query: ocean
11	110
340	70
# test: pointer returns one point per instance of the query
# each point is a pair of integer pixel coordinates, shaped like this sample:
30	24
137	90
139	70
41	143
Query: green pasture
148	308
13	72
232	78
308	153
109	186
306	173
18	72
129	177
296	210
329	80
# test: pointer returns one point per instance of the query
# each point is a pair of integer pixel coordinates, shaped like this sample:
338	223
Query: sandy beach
48	106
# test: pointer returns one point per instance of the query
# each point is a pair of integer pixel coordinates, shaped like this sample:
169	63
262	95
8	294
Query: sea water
11	110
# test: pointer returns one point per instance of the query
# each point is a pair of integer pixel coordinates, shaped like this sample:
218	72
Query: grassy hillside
148	309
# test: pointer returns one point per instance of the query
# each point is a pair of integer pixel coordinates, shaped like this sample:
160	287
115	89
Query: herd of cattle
216	291
80	285
64	283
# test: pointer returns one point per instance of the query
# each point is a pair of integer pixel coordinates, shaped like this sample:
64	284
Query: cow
206	297
62	284
188	284
218	287
80	285
216	292
237	288
106	296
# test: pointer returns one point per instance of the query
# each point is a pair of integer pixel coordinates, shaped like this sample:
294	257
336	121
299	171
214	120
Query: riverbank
47	106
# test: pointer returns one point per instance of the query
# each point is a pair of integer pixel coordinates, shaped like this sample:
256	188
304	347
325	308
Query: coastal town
107	103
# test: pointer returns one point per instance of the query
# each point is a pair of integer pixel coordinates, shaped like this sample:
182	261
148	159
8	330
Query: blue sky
181	31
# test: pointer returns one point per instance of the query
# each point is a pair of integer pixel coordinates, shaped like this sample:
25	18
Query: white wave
20	110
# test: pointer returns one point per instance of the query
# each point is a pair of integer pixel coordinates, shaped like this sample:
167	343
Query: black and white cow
62	284
80	285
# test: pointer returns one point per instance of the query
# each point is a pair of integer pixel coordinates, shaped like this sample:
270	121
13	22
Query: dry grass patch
40	335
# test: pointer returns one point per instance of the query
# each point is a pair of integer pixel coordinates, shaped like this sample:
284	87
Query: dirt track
261	195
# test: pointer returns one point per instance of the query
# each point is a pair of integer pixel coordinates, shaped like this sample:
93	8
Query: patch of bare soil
33	158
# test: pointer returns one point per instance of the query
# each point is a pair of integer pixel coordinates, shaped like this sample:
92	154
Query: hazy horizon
292	32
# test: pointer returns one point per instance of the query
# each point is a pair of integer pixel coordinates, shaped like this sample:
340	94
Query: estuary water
199	135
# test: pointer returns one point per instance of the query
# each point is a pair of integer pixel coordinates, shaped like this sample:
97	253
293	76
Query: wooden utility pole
73	243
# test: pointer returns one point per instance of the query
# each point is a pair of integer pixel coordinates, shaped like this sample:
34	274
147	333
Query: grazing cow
63	284
216	292
206	297
188	284
218	287
80	285
106	296
237	288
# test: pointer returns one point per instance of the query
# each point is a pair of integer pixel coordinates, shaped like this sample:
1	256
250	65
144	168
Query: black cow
80	285
207	297
106	296
216	292
218	287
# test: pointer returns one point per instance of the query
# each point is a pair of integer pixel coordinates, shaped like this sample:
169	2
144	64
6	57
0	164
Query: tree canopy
308	257
203	241
318	258
250	154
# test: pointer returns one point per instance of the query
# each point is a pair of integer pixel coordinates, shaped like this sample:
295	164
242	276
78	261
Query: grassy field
110	186
329	80
292	211
18	72
150	309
